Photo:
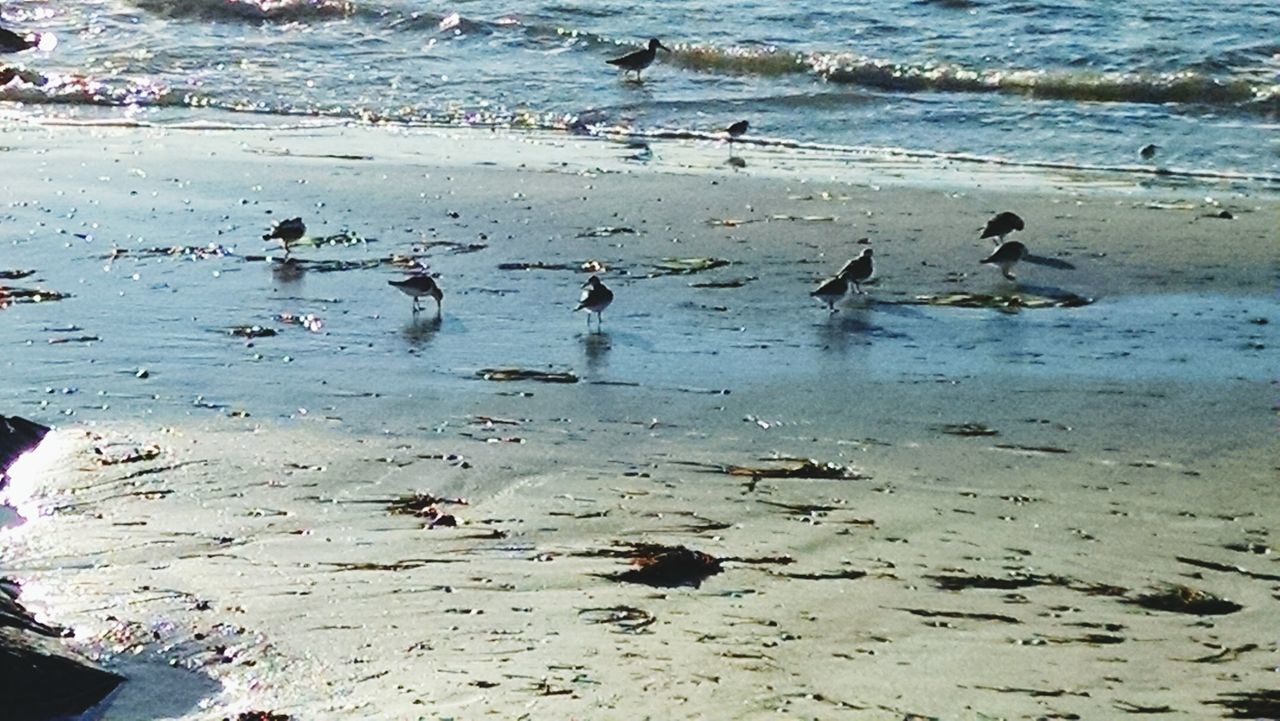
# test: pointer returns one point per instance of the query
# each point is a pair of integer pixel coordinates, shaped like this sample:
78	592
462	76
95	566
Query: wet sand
1132	440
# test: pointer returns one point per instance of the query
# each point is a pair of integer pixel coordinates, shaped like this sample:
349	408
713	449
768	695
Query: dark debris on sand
1251	704
806	468
654	564
1010	303
524	374
426	506
1184	599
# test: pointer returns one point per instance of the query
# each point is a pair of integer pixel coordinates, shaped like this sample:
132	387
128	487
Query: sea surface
1071	82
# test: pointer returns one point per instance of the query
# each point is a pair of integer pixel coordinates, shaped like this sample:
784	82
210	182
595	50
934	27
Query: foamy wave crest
1181	87
767	60
292	10
28	86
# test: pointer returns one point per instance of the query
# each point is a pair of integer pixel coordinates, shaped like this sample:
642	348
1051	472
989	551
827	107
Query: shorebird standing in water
1000	226
417	286
831	290
287	231
640	59
735	131
595	298
859	270
1148	151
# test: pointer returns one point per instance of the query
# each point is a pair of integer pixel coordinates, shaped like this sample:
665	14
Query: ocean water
1072	82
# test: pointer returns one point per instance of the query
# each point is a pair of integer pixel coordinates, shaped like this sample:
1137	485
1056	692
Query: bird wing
628	59
1007	252
832	286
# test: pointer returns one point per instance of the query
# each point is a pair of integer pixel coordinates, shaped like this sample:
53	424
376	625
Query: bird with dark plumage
1005	256
735	131
1148	151
859	270
640	59
1000	226
287	231
418	286
831	290
595	298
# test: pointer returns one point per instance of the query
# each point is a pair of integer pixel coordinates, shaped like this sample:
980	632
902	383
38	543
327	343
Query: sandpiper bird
1148	151
735	131
287	231
859	270
417	286
640	59
1005	256
1000	226
595	298
831	290
11	42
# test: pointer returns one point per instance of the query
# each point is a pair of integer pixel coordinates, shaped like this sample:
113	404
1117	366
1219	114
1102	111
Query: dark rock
39	677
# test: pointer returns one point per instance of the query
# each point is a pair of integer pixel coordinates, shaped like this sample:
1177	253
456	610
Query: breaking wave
288	10
1188	87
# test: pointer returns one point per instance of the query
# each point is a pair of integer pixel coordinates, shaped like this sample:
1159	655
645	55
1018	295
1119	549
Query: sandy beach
1028	512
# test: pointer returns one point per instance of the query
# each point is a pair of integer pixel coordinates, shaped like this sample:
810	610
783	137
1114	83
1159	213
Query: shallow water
257	521
1064	82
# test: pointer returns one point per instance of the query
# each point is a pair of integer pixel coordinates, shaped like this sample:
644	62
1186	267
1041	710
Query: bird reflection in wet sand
595	348
851	329
421	330
287	270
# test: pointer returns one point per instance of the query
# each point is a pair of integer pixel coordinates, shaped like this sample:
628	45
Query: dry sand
257	551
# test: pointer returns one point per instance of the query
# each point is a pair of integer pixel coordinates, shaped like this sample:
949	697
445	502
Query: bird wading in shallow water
831	290
1000	226
595	298
859	270
640	59
735	131
287	231
417	286
1148	151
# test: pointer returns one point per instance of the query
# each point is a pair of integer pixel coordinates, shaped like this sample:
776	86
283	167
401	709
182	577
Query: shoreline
1104	445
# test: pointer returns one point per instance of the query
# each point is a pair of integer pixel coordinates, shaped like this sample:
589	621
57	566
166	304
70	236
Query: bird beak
664	47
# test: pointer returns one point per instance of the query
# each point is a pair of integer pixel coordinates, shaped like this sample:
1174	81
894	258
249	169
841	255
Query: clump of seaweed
1184	599
524	374
654	564
426	506
1251	704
